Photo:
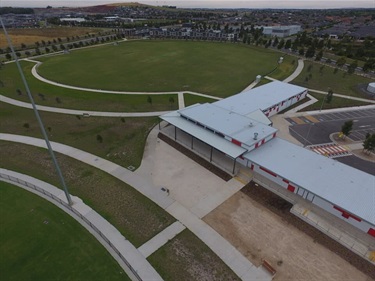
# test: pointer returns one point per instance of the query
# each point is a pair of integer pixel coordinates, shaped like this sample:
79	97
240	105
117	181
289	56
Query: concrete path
161	239
304	105
296	72
80	112
181	100
252	85
225	251
136	260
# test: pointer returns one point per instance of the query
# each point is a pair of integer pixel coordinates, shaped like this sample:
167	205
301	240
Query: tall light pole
57	167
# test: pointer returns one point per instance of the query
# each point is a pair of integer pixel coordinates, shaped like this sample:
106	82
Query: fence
66	205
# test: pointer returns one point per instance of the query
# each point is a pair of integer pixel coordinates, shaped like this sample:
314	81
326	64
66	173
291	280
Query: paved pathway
181	100
139	263
221	247
80	112
296	72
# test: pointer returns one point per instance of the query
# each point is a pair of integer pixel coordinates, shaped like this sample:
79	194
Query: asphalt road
318	133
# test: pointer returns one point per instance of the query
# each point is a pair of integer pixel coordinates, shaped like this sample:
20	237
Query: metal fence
66	205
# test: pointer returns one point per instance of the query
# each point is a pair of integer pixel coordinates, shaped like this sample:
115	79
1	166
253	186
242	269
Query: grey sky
204	3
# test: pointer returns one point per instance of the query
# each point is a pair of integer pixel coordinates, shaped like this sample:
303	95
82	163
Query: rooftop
349	188
229	123
260	98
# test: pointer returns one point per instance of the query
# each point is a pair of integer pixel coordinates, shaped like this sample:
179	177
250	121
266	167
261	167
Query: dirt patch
259	224
212	168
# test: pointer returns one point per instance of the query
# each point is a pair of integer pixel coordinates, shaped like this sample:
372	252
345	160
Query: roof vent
251	124
255	136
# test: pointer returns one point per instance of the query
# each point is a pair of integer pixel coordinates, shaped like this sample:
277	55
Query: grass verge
206	67
134	215
320	77
38	241
120	140
335	103
193	99
54	96
185	257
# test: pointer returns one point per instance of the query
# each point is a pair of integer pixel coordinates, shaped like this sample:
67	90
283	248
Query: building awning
204	135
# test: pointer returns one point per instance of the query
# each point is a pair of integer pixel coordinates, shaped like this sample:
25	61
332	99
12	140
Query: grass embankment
186	258
29	36
320	77
206	67
54	96
38	241
193	99
335	103
120	140
134	215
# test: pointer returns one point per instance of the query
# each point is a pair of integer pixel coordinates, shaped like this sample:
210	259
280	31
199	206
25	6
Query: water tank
371	88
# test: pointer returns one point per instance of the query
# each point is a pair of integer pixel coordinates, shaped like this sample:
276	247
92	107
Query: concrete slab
161	239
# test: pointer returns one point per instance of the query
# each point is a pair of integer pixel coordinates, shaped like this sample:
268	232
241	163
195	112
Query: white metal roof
260	98
259	116
351	189
236	126
204	135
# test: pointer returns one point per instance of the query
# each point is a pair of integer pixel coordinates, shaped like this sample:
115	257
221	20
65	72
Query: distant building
281	31
72	19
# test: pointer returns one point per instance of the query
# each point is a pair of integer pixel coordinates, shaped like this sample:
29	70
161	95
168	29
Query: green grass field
38	241
46	94
123	139
193	99
134	215
172	259
322	77
212	68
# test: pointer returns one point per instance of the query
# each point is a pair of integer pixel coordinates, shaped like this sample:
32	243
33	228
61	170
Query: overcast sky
203	3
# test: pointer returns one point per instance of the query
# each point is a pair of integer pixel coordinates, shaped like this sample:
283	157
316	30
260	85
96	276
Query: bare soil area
259	227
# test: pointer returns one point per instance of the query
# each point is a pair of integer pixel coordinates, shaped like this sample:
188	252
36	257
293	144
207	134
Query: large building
238	128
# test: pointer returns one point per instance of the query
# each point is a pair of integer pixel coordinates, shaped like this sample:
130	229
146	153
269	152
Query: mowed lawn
220	69
120	140
319	77
38	241
54	96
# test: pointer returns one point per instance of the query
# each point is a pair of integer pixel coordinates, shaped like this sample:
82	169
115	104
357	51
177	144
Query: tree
352	67
149	100
301	51
171	101
329	96
319	56
310	52
281	44
8	56
341	61
347	128
369	143
288	44
275	42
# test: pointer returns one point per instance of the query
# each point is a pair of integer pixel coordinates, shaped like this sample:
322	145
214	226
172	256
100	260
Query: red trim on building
256	145
252	167
236	142
267	171
286	181
371	231
263	141
345	214
274	135
291	188
242	157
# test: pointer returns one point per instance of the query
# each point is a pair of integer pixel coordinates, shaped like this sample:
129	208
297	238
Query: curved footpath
240	265
136	260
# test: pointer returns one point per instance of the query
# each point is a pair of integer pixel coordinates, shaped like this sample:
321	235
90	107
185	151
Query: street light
38	117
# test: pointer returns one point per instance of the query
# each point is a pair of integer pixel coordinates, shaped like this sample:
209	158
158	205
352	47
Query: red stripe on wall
263	141
236	142
291	188
345	214
268	171
252	167
371	231
286	181
274	135
256	145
